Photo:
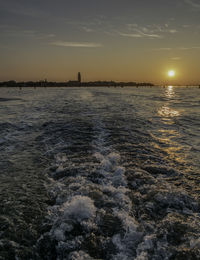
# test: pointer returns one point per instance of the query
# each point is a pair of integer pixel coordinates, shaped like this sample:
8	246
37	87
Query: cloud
186	26
176	58
153	31
152	35
173	31
189	48
37	35
149	27
178	48
76	44
134	35
87	29
14	31
193	3
163	49
140	34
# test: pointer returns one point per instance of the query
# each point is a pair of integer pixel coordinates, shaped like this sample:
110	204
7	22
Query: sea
100	173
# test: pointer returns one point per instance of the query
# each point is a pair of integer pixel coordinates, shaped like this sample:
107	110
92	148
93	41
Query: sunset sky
122	40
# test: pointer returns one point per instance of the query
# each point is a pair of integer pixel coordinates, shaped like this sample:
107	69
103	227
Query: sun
171	73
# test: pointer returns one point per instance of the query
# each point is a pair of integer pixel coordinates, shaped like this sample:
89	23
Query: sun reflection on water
167	136
166	112
170	92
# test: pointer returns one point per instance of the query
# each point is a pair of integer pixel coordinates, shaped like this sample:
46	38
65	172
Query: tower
79	77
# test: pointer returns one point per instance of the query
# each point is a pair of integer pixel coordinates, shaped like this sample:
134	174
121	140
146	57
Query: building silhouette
75	82
79	77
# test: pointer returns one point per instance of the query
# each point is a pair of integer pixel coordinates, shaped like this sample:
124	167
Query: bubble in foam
99	156
61	157
195	243
79	255
142	256
114	158
79	208
106	165
59	234
118	178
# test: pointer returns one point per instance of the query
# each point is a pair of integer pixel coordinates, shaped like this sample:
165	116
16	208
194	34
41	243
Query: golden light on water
166	111
171	73
169	92
167	135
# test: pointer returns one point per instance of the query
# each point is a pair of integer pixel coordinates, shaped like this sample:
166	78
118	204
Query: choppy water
100	173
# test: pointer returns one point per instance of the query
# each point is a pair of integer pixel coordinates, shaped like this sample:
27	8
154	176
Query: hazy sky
125	40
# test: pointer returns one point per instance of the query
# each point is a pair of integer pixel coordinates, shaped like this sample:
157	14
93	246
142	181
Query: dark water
100	173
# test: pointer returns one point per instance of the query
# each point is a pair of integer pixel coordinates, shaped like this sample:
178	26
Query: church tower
79	77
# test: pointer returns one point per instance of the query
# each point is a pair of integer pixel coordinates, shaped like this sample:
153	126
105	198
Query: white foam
79	208
59	234
89	200
195	243
145	245
142	256
79	255
61	157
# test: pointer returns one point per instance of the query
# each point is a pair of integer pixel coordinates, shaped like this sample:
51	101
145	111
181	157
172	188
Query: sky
121	40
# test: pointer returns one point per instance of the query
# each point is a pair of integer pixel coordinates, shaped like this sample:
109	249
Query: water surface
100	173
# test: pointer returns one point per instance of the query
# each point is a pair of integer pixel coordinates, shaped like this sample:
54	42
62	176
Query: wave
106	211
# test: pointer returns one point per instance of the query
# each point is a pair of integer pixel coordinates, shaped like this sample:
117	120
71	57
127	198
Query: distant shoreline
46	84
73	84
102	86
